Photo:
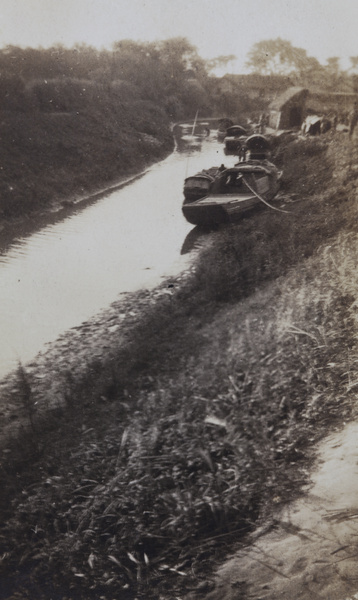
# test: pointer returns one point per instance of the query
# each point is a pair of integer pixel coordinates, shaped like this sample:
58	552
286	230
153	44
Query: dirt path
312	550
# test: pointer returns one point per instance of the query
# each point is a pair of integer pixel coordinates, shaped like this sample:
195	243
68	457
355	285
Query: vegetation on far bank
176	444
52	158
76	120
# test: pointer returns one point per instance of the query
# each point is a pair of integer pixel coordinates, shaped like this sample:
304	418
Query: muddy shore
79	346
72	353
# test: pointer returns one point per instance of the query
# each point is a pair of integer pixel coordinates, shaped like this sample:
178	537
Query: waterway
67	272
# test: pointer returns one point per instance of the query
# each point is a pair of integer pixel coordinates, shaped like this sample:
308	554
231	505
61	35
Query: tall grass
201	424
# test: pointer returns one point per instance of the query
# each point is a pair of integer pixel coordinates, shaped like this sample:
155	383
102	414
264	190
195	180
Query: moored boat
189	132
234	139
235	191
223	125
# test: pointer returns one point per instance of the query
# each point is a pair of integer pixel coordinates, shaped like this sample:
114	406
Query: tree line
96	115
169	73
280	57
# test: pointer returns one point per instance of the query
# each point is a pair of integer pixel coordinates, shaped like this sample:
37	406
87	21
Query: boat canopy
258	143
258	146
236	130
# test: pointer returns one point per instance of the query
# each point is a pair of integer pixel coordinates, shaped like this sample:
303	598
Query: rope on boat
262	199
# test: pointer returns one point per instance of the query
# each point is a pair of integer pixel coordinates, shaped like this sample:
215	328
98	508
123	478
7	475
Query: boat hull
234	144
216	210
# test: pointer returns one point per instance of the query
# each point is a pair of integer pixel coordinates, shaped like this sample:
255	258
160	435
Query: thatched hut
288	109
330	103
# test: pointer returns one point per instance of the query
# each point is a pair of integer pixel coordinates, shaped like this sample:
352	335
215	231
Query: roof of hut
287	96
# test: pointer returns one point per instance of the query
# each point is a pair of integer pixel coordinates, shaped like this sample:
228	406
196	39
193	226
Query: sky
324	28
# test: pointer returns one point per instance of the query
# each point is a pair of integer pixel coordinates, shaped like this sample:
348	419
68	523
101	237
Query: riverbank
51	161
165	447
71	355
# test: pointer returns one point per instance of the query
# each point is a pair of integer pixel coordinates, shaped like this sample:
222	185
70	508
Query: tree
219	62
333	73
280	57
157	68
274	57
353	73
180	60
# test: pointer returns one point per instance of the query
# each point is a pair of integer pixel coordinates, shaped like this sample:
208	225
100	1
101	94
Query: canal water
69	271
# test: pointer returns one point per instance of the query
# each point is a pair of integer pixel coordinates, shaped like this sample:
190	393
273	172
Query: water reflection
195	238
188	144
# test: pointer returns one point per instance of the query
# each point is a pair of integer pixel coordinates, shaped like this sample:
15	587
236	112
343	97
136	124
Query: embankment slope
198	419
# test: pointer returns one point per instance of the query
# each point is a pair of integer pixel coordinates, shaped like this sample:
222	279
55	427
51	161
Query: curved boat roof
257	142
236	130
252	167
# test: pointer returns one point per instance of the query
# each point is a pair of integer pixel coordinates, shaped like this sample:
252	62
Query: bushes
12	92
64	95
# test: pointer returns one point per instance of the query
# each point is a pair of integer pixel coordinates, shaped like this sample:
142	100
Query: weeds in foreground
26	395
140	500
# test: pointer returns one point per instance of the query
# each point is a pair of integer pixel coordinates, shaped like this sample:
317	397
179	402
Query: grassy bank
76	120
52	157
174	445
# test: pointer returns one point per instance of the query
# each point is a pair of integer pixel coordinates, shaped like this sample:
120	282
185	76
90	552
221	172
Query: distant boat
234	139
194	133
223	125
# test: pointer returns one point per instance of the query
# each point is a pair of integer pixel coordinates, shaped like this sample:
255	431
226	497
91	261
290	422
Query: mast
196	116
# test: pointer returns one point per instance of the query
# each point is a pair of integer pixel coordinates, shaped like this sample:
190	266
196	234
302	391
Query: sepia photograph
178	300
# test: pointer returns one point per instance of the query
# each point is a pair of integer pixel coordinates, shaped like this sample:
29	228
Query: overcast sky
324	28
